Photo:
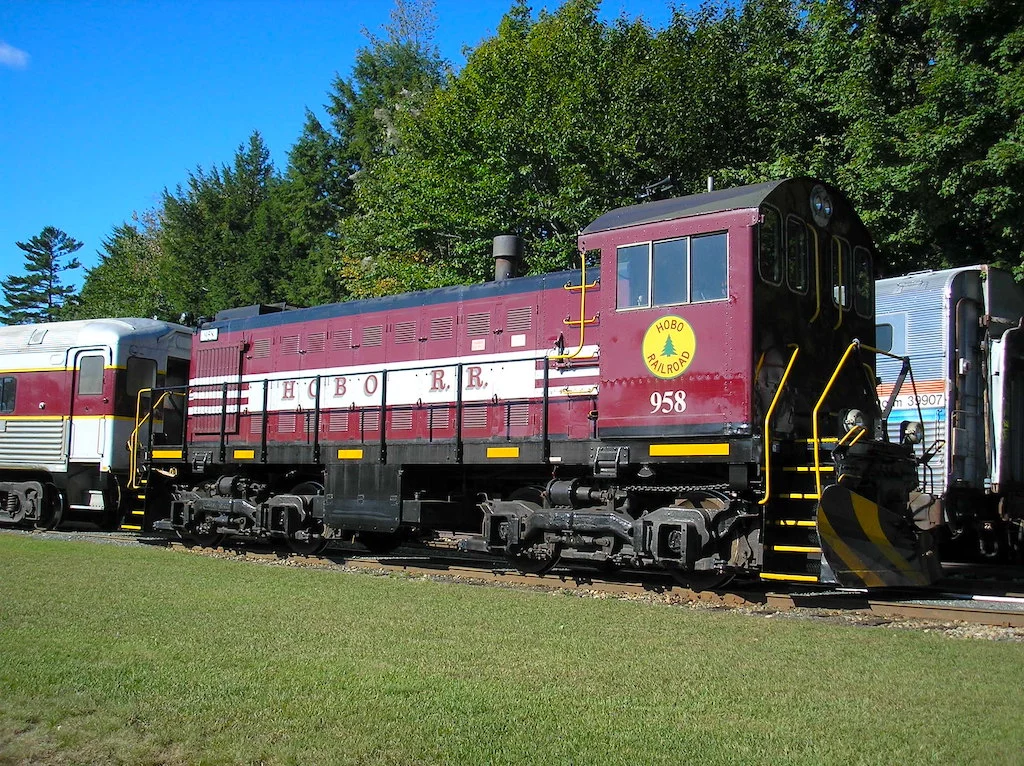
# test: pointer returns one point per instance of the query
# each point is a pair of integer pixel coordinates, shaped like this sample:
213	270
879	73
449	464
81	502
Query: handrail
817	275
840	298
767	431
133	440
817	407
583	286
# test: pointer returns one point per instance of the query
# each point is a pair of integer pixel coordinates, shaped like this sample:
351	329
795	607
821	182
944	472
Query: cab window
673	272
769	246
8	389
797	255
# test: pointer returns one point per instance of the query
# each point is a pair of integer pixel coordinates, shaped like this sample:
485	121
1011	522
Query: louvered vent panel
33	442
316	342
286	422
519	415
478	324
474	417
338	421
373	336
217	361
441	328
341	339
519	320
440	417
405	332
256	424
290	344
261	348
401	420
371	420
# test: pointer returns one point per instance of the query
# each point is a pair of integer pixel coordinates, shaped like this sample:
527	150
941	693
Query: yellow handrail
583	286
817	407
767	431
133	440
817	275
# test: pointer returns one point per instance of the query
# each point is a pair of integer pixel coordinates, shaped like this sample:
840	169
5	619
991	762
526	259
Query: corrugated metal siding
33	442
922	299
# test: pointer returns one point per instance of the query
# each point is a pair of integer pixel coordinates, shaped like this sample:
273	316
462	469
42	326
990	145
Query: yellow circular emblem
669	345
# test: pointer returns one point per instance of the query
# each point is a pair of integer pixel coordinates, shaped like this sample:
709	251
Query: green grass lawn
126	655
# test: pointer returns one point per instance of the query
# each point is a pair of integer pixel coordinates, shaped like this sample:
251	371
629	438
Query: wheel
703	580
52	511
312	545
537	560
193	539
381	543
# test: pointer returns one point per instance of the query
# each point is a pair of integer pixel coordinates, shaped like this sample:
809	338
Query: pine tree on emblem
670	349
39	295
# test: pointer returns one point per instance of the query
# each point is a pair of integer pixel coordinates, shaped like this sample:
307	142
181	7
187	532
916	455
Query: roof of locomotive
55	336
231	320
736	198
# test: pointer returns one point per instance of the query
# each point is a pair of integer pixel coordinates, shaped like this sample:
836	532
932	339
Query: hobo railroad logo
668	348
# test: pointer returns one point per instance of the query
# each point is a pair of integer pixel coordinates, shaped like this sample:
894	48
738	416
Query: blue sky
105	103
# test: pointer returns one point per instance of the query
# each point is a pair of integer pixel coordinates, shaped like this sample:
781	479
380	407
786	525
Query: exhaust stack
508	252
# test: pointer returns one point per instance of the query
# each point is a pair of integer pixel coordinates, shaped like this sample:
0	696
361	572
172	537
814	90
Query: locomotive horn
508	251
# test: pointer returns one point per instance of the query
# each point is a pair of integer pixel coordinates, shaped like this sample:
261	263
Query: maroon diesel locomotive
702	402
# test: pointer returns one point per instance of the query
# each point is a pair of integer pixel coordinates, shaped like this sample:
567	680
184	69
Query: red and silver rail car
68	410
700	402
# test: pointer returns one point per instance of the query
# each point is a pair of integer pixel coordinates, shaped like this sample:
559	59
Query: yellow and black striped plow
866	546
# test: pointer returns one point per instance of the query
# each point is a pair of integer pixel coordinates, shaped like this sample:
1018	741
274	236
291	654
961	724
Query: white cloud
12	57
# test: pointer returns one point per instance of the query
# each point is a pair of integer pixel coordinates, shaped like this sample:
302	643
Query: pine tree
38	296
670	348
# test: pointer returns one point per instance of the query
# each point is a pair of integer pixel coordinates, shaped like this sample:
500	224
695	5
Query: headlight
855	419
913	433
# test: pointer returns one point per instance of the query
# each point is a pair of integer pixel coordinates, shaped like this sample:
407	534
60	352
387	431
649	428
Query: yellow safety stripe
807	468
132	527
690	450
350	454
796	548
868	518
502	452
799	496
847	555
244	454
794	523
788	577
167	454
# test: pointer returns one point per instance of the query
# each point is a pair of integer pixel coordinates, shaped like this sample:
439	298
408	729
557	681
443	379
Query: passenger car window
141	374
883	337
90	375
8	390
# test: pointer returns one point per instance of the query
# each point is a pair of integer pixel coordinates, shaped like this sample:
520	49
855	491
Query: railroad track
998	606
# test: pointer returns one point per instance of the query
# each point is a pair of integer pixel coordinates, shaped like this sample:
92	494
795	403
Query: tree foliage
40	295
911	106
131	276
